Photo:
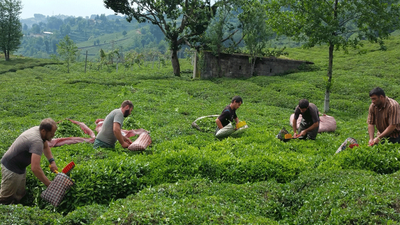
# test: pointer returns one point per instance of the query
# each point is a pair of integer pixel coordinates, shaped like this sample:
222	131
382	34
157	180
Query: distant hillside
42	34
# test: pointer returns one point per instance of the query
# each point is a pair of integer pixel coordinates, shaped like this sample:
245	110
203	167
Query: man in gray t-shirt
110	131
309	124
26	150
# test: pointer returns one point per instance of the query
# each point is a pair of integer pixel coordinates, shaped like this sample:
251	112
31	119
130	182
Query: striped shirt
387	115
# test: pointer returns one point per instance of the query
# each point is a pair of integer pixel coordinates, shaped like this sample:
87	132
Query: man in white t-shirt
110	131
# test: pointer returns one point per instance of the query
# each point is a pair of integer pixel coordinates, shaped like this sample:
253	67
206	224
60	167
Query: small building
240	66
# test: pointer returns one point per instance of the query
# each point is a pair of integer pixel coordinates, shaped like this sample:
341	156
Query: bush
18	214
190	202
337	197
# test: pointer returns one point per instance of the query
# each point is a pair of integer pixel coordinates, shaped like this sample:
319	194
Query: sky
75	8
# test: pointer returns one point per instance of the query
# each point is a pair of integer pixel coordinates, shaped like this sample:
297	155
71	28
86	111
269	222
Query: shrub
18	214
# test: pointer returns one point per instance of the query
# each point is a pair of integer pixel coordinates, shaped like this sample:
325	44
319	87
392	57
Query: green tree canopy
338	23
67	50
10	26
256	32
181	21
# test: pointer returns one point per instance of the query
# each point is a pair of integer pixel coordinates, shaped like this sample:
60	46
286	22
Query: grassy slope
252	177
108	42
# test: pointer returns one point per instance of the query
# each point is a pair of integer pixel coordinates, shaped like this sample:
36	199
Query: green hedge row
326	197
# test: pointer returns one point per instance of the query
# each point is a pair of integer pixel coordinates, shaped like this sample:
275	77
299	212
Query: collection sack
225	131
55	192
141	143
349	142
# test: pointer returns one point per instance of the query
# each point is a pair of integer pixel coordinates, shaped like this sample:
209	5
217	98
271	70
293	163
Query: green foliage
344	23
10	26
256	33
337	24
336	197
221	29
67	50
207	124
68	129
20	63
18	214
383	159
190	202
83	215
190	177
181	21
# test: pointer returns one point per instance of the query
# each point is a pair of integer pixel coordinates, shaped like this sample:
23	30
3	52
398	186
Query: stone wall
239	66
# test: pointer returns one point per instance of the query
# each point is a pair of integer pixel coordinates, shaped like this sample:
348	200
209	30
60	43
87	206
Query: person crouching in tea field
228	115
309	124
26	150
384	113
111	130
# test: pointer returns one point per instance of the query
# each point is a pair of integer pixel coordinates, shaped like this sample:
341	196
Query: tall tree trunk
68	65
175	63
329	84
7	55
86	60
331	48
196	73
253	64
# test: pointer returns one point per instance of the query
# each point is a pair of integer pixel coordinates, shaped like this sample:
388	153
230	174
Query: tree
67	50
338	23
10	26
35	29
179	20
54	23
220	29
256	33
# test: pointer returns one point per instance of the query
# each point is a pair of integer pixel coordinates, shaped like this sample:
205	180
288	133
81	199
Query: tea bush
18	214
189	177
190	202
337	197
66	128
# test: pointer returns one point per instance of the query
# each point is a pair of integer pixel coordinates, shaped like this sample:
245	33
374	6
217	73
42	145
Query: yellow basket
288	136
241	124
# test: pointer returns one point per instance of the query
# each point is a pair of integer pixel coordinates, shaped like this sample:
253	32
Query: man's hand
125	145
128	140
303	133
373	141
53	167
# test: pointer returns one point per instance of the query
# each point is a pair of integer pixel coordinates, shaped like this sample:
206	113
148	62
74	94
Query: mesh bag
349	142
56	190
225	131
141	143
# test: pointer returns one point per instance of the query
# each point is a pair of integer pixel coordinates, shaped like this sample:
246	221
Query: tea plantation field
190	177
